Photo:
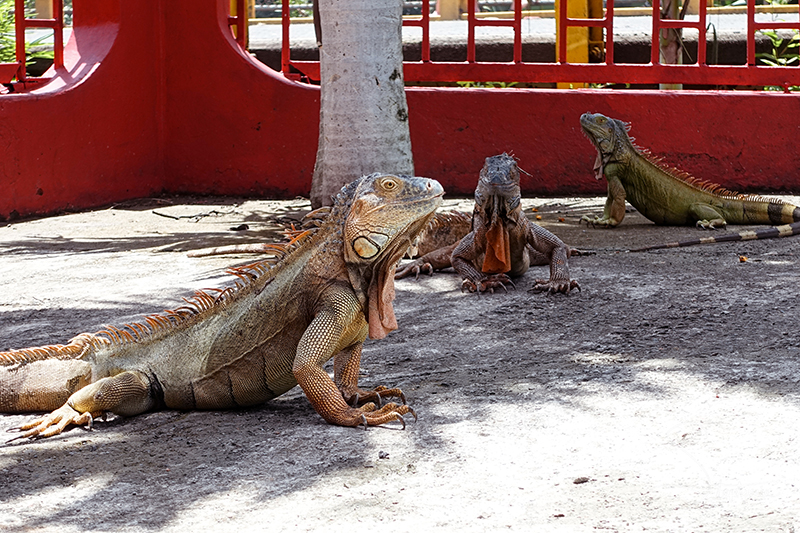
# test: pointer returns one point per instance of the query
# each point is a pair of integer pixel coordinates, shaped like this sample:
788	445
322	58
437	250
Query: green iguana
670	197
502	242
329	288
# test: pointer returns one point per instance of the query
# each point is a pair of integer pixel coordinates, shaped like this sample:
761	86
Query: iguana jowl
669	197
331	287
502	242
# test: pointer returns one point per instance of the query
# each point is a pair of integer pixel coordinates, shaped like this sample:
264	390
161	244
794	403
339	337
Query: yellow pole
249	8
449	9
44	9
597	47
577	38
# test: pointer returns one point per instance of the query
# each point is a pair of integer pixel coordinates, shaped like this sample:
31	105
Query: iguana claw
412	413
391	411
54	423
710	224
562	286
360	397
603	222
487	284
415	267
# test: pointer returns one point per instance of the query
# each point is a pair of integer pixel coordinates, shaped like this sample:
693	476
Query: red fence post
21	23
19	27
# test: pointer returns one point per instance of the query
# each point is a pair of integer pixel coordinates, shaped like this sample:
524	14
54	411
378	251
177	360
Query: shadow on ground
662	396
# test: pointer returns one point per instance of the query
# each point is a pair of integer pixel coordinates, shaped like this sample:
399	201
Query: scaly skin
665	196
331	287
502	243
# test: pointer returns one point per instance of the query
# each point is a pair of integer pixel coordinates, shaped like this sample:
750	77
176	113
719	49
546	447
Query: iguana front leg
321	340
707	217
346	365
125	394
559	276
548	245
614	210
435	260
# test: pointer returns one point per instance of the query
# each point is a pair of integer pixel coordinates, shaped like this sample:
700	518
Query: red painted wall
83	139
233	126
156	97
743	140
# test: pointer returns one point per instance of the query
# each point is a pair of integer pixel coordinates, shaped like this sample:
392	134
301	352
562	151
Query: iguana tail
774	232
41	379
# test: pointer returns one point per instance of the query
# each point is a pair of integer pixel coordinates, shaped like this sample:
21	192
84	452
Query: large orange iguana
502	242
330	287
669	197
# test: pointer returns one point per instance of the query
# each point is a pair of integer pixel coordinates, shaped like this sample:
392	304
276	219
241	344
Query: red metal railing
474	22
660	23
9	71
700	73
753	27
607	23
423	22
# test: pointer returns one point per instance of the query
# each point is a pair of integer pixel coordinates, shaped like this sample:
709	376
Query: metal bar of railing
655	38
19	28
21	23
751	32
58	34
423	22
471	53
607	23
702	24
474	22
562	71
609	26
517	31
285	48
642	74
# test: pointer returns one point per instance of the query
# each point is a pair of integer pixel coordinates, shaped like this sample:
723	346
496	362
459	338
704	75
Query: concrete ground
665	396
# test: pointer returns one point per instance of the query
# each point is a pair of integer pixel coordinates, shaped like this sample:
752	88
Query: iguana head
610	137
386	214
497	196
498	185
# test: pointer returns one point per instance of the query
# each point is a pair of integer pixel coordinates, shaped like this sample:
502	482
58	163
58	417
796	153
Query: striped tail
774	232
782	213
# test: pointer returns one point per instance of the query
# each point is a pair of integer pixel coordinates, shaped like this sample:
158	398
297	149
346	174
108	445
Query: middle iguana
502	242
244	345
666	196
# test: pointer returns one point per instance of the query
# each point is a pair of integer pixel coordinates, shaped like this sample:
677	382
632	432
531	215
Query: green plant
7	41
486	84
785	52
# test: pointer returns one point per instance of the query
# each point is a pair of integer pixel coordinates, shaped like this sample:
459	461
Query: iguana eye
601	120
389	184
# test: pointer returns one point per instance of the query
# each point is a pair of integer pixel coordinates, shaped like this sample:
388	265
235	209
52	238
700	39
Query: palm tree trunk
363	112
